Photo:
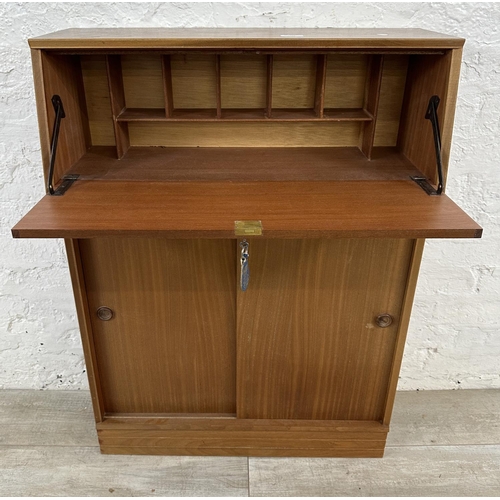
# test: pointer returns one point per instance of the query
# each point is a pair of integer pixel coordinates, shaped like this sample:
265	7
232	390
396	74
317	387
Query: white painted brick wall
454	337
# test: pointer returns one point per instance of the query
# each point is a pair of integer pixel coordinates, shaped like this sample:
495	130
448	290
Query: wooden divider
319	97
318	110
372	95
117	98
269	86
218	86
167	86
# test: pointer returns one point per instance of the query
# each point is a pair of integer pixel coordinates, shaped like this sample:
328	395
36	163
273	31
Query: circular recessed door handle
105	313
384	320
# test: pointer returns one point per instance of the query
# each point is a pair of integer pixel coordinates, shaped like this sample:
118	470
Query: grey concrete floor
441	443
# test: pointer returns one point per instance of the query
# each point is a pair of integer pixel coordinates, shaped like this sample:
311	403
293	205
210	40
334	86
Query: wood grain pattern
353	428
374	80
86	329
143	80
218	86
243	81
250	439
194	81
350	67
42	109
241	437
409	294
449	104
62	76
269	85
118	103
241	164
294	80
170	346
392	88
267	134
319	95
253	38
244	115
308	345
167	86
329	209
95	82
345	80
355	452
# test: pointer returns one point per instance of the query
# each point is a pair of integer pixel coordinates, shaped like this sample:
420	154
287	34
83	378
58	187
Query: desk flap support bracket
66	183
67	180
431	115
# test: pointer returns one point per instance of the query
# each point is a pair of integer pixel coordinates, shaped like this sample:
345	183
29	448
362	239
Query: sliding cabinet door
165	340
308	343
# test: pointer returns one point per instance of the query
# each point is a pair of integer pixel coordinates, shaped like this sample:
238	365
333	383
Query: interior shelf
248	164
249	114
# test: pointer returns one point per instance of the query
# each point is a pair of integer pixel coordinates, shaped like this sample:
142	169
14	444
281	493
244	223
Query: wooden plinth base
240	437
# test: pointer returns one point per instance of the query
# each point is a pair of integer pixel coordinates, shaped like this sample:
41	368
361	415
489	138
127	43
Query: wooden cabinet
320	153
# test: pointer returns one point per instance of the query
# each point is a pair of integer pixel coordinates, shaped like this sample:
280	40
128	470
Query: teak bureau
244	214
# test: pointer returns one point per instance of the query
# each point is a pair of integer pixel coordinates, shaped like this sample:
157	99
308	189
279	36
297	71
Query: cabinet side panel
450	107
82	308
411	286
170	346
41	108
429	75
62	75
308	345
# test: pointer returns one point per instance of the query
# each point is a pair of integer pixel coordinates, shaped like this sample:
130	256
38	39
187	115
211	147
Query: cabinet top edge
249	38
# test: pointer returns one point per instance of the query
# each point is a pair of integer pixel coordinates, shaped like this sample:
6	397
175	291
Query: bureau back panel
237	83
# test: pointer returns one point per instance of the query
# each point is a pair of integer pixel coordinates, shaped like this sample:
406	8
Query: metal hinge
425	185
66	183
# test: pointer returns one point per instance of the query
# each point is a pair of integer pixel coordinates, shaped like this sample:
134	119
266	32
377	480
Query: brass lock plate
248	228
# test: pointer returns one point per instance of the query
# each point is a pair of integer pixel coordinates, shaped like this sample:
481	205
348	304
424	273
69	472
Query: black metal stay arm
433	117
58	108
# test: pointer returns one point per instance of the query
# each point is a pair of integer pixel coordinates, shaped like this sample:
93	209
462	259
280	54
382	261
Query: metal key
245	270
